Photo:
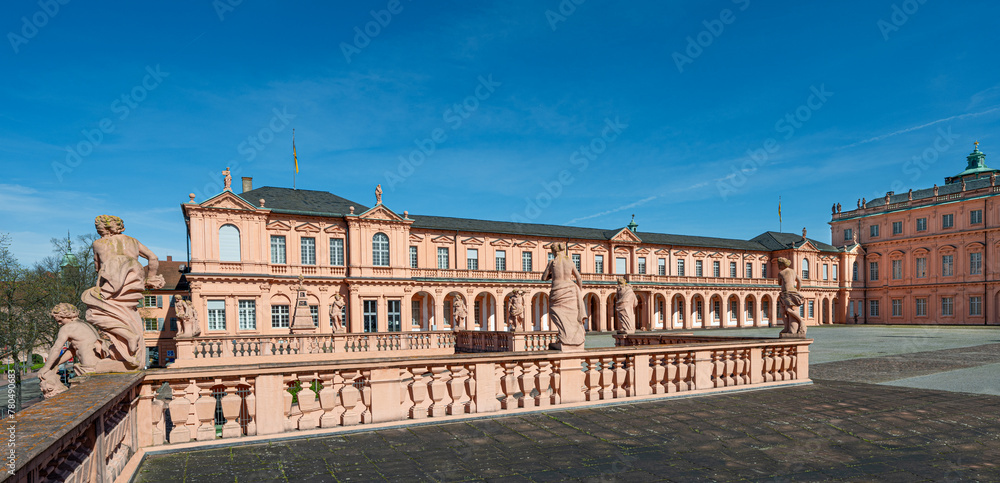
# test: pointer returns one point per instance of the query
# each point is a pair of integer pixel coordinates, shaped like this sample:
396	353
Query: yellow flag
295	156
779	208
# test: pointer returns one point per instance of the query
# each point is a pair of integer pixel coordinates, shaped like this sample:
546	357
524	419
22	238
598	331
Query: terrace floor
888	404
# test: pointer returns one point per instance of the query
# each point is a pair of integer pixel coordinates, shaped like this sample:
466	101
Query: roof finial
976	144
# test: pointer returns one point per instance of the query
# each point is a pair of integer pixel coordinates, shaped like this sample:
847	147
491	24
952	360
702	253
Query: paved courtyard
872	415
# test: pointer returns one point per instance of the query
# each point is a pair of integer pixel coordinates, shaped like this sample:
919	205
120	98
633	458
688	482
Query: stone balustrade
503	341
237	349
289	397
86	434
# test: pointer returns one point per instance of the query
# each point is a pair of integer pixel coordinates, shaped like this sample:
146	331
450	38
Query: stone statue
378	194
625	303
228	180
859	203
833	209
838	207
187	318
791	299
566	308
803	233
909	195
459	313
963	184
337	314
516	311
121	279
83	344
935	189
993	179
887	198
864	203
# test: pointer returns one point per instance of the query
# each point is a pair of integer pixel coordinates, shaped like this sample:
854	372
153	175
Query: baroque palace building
250	252
926	256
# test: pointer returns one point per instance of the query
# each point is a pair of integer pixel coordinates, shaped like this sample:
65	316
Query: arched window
229	243
380	250
805	268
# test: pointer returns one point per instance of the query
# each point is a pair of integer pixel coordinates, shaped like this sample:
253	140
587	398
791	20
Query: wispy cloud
928	124
615	210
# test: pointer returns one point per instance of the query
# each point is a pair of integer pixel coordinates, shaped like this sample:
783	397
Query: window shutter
173	324
141	300
159	301
159	323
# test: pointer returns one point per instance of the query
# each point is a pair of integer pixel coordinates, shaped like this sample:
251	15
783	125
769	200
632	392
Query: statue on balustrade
566	308
112	305
187	318
790	299
79	341
516	311
337	314
625	303
459	313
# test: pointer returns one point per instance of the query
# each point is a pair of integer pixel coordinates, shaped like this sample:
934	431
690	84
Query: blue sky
694	116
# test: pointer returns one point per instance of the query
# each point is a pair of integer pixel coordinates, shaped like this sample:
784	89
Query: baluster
231	411
308	404
508	383
621	383
607	379
457	384
527	383
350	397
159	424
291	412
793	359
366	397
251	403
767	364
418	393
439	391
687	370
542	382
593	379
744	366
332	412
718	369
728	367
205	409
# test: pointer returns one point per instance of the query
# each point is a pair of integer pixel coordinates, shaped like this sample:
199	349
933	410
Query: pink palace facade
927	256
406	272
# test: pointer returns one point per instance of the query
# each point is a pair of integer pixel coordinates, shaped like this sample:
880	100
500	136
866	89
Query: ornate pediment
643	251
472	240
663	251
733	256
416	238
307	227
443	239
807	247
681	253
278	226
715	255
334	229
575	247
598	248
626	236
380	212
700	254
228	201
500	242
527	244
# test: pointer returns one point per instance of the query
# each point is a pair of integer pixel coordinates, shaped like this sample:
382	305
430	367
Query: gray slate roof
322	202
945	189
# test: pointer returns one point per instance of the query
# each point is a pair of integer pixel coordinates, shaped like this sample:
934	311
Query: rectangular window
680	268
698	269
216	314
716	309
897	228
975	217
812	309
370	316
826	272
642	265
443	262
873	231
897	269
848	234
976	263
947	306
921	307
394	316
447	313
477	310
835	272
732	269
873	308
716	269
763	270
975	305
413	257
277	249
661	265
149	324
279	316
947	221
872	271
947	265
921	267
173	324
765	307
308	251
897	307
526	261
501	260
337	252
621	265
149	300
921	224
699	310
598	263
472	259
576	261
805	269
415	315
248	315
314	313
749	270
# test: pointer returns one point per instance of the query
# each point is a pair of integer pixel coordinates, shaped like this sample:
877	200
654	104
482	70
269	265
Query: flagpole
295	157
779	213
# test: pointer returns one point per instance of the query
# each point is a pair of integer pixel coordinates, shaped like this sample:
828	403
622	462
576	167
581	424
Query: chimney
247	184
170	258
